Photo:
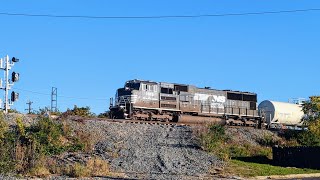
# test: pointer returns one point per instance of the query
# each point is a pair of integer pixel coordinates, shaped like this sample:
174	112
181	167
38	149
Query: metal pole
29	109
9	64
29	103
54	99
7	85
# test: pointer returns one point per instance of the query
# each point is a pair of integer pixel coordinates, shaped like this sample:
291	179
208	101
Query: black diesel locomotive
160	101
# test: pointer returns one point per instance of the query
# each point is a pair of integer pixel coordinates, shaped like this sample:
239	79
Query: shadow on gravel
191	146
112	178
256	159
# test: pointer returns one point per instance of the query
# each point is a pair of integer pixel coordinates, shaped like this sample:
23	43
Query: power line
34	92
160	16
84	98
67	97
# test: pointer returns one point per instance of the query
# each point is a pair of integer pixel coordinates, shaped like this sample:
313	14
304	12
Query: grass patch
249	169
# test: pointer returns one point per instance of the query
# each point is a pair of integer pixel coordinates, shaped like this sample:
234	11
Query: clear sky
275	55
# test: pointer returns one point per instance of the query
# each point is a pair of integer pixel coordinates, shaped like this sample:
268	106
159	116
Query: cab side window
149	88
166	90
144	87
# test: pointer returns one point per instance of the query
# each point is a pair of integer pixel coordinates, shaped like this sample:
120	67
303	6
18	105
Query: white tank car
281	113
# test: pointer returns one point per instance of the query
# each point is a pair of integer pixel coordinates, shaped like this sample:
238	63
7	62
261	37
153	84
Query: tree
312	109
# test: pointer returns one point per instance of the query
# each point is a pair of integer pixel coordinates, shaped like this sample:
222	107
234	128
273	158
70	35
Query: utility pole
54	99
9	83
29	103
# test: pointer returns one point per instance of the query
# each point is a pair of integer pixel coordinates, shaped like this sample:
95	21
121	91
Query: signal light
15	77
15	59
14	96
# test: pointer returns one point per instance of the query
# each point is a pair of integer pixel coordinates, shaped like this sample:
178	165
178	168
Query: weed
92	168
79	170
39	171
98	167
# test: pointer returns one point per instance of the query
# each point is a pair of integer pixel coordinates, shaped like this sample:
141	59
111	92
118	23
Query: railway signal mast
6	64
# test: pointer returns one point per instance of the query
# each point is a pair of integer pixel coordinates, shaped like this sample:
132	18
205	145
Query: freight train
161	101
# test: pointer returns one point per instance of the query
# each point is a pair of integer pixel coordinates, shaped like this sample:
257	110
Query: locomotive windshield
133	86
123	92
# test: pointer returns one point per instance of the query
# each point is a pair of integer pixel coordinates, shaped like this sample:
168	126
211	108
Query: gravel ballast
147	151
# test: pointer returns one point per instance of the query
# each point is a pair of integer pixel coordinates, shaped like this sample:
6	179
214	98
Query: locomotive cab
123	100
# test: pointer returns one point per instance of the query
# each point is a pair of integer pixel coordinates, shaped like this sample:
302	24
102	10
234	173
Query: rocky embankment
146	151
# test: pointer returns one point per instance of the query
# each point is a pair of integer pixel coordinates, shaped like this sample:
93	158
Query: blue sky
276	56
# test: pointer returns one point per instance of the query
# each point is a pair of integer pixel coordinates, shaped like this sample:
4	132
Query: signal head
14	96
15	77
15	59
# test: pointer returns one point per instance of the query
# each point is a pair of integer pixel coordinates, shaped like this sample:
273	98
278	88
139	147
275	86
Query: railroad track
167	123
147	122
185	122
128	121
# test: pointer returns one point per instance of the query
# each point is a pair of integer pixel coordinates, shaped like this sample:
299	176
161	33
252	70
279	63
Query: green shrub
21	148
301	138
104	115
216	141
239	151
268	141
3	127
307	138
48	134
79	111
217	132
6	163
13	111
54	137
